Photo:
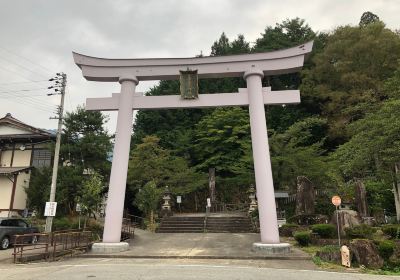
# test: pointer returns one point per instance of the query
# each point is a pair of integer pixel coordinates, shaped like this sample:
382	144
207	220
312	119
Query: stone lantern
252	197
166	206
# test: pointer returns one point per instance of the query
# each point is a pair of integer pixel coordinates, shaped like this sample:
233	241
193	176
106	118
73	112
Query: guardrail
135	220
35	246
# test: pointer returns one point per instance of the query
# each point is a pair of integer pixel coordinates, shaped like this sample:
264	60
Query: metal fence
49	246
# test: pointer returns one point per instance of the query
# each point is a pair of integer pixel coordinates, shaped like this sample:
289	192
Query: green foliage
288	229
287	34
360	231
39	189
148	197
302	237
392	230
329	249
84	148
349	74
152	163
85	142
224	47
64	223
368	18
299	151
386	249
91	193
324	230
223	141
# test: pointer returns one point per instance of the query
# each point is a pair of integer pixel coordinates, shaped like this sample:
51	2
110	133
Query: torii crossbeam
252	67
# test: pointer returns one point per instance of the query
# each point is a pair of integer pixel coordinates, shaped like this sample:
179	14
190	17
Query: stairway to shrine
214	223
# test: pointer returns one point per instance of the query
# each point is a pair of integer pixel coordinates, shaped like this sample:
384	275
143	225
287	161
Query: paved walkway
203	246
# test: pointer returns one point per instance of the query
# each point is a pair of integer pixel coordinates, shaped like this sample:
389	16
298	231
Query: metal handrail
51	244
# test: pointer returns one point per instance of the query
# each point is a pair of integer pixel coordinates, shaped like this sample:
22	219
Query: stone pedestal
272	249
107	248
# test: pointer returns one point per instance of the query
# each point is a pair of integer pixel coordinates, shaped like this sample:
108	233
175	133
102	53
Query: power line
21	90
30	61
22	66
15	72
16	83
27	98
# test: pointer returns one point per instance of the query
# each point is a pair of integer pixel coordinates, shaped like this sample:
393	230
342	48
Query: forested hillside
346	127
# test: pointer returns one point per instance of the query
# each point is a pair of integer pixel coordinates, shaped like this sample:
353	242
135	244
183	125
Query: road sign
179	199
50	210
336	200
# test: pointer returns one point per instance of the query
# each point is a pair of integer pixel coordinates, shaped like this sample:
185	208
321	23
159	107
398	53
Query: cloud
46	32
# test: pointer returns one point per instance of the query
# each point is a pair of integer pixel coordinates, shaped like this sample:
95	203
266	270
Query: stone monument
305	197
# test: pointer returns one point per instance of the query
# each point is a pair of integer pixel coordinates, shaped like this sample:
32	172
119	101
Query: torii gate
252	67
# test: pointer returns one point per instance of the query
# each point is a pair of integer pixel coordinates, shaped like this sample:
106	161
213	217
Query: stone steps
187	224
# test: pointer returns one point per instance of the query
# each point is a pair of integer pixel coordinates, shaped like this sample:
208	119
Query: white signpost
50	209
252	67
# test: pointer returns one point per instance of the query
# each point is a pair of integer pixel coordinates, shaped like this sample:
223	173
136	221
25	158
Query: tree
289	33
373	150
91	194
368	18
147	201
152	163
348	77
39	189
299	151
85	149
85	142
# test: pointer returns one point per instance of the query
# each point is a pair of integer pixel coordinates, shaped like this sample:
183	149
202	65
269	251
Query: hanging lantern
189	84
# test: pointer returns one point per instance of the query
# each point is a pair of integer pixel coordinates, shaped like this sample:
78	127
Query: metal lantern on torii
252	67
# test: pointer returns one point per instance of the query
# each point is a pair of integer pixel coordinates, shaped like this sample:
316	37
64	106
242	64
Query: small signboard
78	207
179	199
208	202
50	210
336	200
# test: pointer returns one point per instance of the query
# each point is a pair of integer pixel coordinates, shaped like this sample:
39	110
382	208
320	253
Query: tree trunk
211	182
196	204
396	190
151	219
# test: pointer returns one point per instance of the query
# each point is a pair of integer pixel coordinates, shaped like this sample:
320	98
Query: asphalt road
167	269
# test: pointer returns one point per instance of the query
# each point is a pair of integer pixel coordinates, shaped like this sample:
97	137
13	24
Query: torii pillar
252	67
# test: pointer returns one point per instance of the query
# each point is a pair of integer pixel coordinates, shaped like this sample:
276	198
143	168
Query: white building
21	148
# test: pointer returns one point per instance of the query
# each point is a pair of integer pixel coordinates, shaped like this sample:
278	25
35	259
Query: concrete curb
95	256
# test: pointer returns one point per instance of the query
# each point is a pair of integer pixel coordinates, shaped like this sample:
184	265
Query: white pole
262	162
337	223
119	168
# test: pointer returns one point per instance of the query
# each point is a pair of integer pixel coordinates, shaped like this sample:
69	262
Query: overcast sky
37	38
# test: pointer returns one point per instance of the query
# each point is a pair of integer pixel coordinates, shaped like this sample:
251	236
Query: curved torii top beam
271	63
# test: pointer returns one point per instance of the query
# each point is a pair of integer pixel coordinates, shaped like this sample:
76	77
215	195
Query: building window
41	158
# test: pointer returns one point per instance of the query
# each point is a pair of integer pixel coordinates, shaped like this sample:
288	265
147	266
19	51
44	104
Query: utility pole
59	87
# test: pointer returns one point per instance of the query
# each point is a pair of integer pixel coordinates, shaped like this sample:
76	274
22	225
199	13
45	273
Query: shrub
360	231
64	223
324	230
302	237
288	229
386	249
392	230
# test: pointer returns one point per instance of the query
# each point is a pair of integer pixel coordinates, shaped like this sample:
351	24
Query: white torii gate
252	67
